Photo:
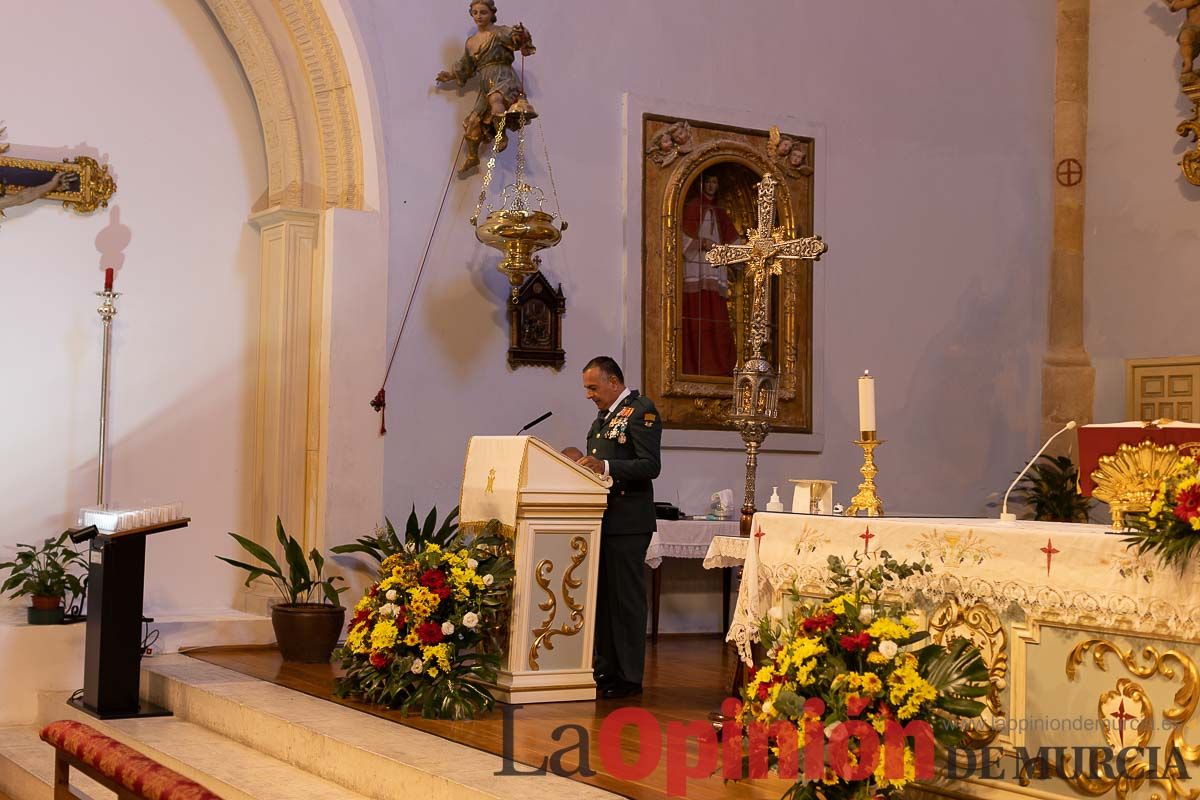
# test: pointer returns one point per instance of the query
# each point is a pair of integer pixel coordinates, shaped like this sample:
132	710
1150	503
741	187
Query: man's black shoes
619	689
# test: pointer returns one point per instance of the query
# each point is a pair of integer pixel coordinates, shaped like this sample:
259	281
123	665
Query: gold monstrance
517	228
756	380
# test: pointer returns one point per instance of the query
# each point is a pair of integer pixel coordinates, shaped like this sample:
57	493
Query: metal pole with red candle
107	311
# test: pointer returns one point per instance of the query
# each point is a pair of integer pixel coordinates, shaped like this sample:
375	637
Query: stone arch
296	65
319	58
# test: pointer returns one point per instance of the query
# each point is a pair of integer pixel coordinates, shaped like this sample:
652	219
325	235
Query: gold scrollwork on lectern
1127	720
982	627
544	633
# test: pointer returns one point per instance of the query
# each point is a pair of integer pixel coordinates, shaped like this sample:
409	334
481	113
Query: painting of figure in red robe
708	345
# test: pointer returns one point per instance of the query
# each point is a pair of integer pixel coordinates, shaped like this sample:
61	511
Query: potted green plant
1051	491
309	620
45	573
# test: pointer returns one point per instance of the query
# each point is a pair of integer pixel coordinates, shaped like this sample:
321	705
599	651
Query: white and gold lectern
552	507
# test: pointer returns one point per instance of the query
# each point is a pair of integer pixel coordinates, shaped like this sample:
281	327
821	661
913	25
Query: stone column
1068	378
287	428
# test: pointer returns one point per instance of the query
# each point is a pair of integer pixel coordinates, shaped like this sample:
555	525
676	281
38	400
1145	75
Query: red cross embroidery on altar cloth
1049	550
758	534
1120	716
867	536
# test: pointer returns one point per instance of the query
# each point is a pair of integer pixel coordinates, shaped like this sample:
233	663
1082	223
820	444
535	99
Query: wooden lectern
113	646
553	508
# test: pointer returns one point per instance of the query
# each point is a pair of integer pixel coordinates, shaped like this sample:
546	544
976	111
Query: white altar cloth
1069	573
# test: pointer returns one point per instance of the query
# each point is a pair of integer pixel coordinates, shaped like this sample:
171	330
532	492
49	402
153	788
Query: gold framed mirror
698	190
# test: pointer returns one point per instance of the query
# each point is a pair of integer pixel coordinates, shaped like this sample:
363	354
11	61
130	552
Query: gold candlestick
867	499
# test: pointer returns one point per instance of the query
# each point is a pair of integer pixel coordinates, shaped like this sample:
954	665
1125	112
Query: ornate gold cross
762	254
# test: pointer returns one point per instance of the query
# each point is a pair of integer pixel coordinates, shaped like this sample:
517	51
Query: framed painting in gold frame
698	190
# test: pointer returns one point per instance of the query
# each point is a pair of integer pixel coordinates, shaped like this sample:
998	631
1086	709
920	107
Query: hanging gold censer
519	227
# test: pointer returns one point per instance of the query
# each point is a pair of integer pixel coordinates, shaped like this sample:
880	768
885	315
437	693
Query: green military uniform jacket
629	440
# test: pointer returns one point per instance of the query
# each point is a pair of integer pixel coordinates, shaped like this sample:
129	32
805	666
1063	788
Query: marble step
369	755
27	768
227	768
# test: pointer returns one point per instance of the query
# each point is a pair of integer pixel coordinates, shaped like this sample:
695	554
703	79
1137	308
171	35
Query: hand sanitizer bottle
774	504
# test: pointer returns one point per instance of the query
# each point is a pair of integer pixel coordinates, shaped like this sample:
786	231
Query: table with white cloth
685	538
1078	632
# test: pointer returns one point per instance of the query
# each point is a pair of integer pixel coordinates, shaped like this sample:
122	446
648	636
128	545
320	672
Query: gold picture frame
91	189
678	154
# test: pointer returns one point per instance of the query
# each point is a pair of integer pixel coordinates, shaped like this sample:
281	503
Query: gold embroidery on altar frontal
983	628
544	633
1127	720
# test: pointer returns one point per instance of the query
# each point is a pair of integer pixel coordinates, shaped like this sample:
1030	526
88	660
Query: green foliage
378	661
1170	528
384	541
300	583
45	571
1050	491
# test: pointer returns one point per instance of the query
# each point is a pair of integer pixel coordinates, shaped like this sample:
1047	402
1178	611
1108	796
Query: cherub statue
1189	38
490	53
789	154
670	143
30	193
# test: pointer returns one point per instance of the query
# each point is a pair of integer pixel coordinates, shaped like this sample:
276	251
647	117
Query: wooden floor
686	679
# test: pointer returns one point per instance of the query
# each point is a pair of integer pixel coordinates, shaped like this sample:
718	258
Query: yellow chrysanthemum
365	603
439	653
357	640
883	780
838	604
421	603
412	640
884	628
908	691
384	635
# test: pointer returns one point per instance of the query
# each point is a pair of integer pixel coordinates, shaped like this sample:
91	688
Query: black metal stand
113	650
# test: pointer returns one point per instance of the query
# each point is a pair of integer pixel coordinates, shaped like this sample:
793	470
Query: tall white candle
866	402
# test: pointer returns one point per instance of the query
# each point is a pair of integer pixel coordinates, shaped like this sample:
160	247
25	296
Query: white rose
866	614
775	612
387	610
447	627
470	619
417	666
488	580
391	595
888	648
472	563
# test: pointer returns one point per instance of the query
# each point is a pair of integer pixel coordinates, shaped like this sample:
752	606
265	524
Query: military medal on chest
619	424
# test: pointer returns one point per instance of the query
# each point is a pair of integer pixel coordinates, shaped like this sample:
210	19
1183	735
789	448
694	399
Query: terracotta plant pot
45	610
307	632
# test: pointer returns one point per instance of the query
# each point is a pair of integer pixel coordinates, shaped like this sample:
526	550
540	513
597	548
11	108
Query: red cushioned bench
119	768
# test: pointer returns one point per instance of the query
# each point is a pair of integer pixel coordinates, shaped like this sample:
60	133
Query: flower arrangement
850	663
1170	528
424	635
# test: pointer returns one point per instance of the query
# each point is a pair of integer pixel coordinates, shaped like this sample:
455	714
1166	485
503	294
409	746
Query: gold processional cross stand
756	380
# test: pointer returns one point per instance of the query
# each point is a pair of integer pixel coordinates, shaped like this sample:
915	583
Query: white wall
152	89
938	120
1142	241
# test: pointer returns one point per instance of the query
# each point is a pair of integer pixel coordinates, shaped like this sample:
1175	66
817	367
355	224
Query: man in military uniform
622	443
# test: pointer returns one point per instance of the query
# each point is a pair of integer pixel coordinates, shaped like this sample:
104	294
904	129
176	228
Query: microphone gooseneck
1004	515
540	419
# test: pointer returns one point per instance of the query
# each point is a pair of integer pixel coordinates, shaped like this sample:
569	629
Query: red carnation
360	617
858	641
379	660
432	578
821	622
374	590
856	704
430	633
1187	504
401	616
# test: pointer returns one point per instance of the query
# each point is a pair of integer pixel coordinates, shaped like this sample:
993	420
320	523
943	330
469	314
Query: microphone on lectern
1004	515
529	425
